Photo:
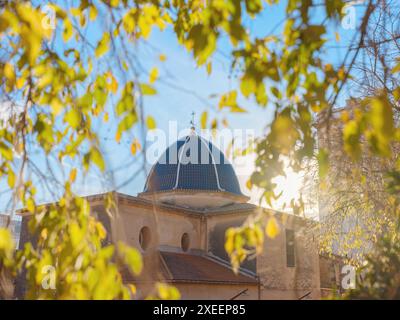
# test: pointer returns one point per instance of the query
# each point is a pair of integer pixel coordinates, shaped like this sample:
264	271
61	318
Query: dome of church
193	164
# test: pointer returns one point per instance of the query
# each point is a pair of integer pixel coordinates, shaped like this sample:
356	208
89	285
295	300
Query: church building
191	197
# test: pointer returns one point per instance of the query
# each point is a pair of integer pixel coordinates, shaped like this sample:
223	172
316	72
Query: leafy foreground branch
69	259
64	89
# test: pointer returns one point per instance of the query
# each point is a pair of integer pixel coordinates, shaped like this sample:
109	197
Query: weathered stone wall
280	281
166	227
217	291
216	228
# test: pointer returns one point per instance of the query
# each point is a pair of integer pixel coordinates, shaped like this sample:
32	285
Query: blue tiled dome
192	163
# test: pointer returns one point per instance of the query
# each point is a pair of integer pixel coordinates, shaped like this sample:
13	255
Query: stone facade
267	276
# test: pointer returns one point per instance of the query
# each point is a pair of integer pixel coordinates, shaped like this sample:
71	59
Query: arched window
144	237
185	242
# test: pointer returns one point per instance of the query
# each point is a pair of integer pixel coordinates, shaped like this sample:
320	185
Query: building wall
166	227
207	233
216	291
216	228
280	281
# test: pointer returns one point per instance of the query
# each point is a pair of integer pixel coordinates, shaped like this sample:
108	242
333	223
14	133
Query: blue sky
172	104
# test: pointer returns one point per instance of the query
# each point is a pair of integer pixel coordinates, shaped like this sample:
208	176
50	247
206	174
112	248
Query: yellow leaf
131	257
118	137
72	175
97	158
56	106
382	122
151	123
272	228
44	233
114	3
20	82
11	179
68	29
230	240
30	205
132	288
341	74
153	75
230	100
106	117
147	89
103	45
6	241
249	185
345	116
9	72
92	12
167	292
381	115
396	68
114	85
76	12
162	57
135	146
6	151
214	124
209	68
203	120
73	117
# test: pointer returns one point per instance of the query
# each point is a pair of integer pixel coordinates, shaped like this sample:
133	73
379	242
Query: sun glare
290	187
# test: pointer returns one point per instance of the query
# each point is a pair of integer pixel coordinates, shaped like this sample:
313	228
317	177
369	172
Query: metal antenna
192	127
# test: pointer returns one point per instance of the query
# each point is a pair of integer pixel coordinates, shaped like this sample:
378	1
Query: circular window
144	237
185	242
